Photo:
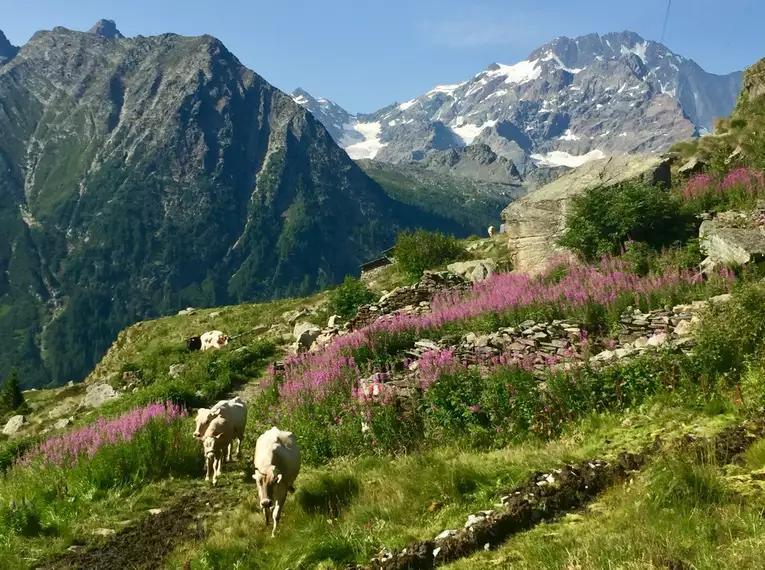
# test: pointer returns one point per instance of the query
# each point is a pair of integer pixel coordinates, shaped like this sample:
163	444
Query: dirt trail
144	544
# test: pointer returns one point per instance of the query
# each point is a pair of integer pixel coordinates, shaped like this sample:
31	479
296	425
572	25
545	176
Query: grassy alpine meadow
677	514
348	510
65	480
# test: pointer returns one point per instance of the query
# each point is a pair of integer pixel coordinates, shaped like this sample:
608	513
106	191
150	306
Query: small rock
482	341
603	356
446	534
104	532
436	551
683	328
658	339
155	511
96	395
332	322
62	423
176	370
721	298
187	311
641	342
14	425
214	315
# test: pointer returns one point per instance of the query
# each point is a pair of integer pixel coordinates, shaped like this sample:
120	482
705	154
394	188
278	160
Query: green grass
348	510
676	514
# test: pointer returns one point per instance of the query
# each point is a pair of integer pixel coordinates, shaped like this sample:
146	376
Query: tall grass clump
420	250
740	188
145	444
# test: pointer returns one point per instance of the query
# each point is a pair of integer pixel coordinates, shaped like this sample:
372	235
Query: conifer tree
11	396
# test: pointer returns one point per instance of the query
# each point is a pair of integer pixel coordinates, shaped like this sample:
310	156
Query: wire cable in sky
666	19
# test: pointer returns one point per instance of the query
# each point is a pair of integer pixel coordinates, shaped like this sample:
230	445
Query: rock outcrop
14	425
534	223
733	238
476	270
96	395
107	29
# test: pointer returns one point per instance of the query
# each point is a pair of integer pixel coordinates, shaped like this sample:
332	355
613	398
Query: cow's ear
215	413
279	478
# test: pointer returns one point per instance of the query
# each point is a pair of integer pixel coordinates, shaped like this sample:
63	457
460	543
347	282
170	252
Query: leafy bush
642	259
348	297
731	333
604	218
420	250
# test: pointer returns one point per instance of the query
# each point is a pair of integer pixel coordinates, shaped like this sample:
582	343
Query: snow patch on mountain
521	72
561	158
371	145
468	132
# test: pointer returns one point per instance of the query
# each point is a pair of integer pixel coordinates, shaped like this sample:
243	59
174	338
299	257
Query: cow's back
280	449
235	411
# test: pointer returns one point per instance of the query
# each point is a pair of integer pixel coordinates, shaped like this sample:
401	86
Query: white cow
215	441
234	410
277	464
491	231
213	339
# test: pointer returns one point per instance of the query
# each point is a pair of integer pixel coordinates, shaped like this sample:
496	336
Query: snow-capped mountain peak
569	101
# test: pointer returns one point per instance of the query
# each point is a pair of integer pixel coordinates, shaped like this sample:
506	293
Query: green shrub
604	218
348	297
417	251
731	333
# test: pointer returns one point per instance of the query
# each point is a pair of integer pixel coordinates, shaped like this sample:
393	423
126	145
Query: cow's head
203	419
266	483
223	340
208	444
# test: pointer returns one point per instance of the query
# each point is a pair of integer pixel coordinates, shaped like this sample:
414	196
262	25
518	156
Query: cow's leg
228	451
267	515
238	446
277	515
208	468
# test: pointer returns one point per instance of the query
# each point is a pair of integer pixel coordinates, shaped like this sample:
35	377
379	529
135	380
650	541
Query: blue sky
365	54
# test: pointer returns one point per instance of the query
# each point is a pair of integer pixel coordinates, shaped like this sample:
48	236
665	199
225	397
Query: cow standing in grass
213	340
277	465
215	442
233	410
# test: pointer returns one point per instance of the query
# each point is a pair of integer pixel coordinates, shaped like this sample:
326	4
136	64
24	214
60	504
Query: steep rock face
7	50
107	29
534	223
139	176
570	101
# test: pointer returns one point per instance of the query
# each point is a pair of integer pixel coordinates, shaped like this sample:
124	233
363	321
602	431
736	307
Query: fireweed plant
322	396
740	188
147	443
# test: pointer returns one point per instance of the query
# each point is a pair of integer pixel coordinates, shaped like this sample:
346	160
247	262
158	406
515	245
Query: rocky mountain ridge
143	175
570	101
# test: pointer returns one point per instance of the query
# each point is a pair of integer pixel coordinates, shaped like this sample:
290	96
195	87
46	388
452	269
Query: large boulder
534	223
727	245
14	425
96	395
476	270
305	334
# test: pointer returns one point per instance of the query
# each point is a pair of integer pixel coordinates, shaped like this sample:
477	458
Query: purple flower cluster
311	377
68	449
434	363
698	186
741	180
